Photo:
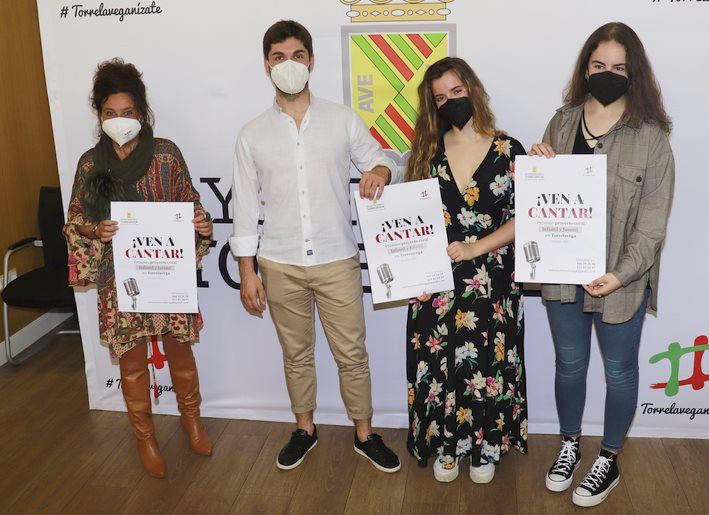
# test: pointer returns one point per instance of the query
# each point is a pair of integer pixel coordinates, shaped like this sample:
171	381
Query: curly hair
116	76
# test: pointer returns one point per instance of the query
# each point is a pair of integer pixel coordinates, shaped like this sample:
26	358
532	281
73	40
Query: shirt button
300	167
638	179
302	192
600	144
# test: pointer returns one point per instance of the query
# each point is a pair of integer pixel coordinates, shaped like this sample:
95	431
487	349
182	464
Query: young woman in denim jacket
613	107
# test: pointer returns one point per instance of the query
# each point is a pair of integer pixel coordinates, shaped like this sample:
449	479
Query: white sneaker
444	470
482	474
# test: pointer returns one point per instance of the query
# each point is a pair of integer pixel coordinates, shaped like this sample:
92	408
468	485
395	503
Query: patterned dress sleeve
84	253
186	192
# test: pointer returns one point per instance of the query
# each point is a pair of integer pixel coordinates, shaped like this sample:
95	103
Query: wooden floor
56	456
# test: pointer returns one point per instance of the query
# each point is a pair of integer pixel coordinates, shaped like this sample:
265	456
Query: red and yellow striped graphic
385	70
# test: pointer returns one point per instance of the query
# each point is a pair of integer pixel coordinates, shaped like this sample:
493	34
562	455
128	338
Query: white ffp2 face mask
290	77
121	130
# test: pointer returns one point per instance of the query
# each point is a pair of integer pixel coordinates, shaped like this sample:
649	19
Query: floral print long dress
465	359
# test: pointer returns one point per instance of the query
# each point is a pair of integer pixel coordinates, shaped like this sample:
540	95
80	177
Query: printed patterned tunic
90	261
465	359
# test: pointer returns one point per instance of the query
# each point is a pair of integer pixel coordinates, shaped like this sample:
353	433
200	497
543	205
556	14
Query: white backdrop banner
203	67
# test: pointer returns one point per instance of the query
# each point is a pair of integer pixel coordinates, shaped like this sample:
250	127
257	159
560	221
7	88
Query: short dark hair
116	76
284	29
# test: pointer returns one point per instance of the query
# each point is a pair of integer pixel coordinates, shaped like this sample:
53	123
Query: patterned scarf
113	179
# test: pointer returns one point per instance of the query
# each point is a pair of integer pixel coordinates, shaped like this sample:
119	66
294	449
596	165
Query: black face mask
607	87
456	111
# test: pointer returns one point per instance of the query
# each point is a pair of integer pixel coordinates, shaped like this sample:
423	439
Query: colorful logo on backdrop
674	355
385	70
697	380
384	64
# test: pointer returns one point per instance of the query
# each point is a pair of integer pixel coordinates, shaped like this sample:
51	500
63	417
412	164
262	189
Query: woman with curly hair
129	164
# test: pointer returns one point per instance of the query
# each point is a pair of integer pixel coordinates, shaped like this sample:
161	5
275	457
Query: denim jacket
641	171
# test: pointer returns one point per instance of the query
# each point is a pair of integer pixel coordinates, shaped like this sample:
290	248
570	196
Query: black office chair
45	287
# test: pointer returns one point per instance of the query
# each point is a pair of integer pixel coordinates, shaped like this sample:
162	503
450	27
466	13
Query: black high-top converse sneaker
561	473
600	480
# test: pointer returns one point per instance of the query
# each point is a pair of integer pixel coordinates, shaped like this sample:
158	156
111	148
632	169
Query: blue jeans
571	332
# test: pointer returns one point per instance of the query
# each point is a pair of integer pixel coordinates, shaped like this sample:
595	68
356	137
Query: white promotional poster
203	67
560	218
404	237
154	257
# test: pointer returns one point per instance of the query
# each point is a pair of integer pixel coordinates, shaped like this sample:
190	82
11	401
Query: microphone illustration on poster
132	290
531	254
385	277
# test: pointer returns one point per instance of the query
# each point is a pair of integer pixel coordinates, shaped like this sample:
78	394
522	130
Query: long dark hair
643	99
430	126
116	76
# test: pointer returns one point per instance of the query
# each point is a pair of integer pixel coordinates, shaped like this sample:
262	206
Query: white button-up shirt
300	181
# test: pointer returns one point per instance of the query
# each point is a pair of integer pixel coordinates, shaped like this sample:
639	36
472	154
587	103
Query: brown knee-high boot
183	371
135	384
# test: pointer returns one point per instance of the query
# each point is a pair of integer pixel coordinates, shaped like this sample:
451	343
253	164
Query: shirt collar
313	101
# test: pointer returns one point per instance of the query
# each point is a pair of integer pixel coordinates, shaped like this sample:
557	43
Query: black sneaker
381	456
600	480
561	473
295	450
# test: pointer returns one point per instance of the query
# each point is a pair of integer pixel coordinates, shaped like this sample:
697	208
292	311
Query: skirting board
33	332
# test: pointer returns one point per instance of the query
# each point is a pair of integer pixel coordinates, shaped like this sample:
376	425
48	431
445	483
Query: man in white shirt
293	162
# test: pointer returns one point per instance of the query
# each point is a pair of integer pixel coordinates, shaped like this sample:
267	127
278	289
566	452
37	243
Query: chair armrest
15	247
22	243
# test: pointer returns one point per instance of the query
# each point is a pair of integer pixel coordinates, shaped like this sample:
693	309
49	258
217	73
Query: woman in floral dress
465	358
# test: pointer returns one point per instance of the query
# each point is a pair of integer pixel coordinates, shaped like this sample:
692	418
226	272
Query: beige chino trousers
292	292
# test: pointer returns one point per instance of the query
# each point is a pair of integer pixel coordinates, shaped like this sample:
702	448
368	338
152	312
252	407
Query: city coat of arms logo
384	64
